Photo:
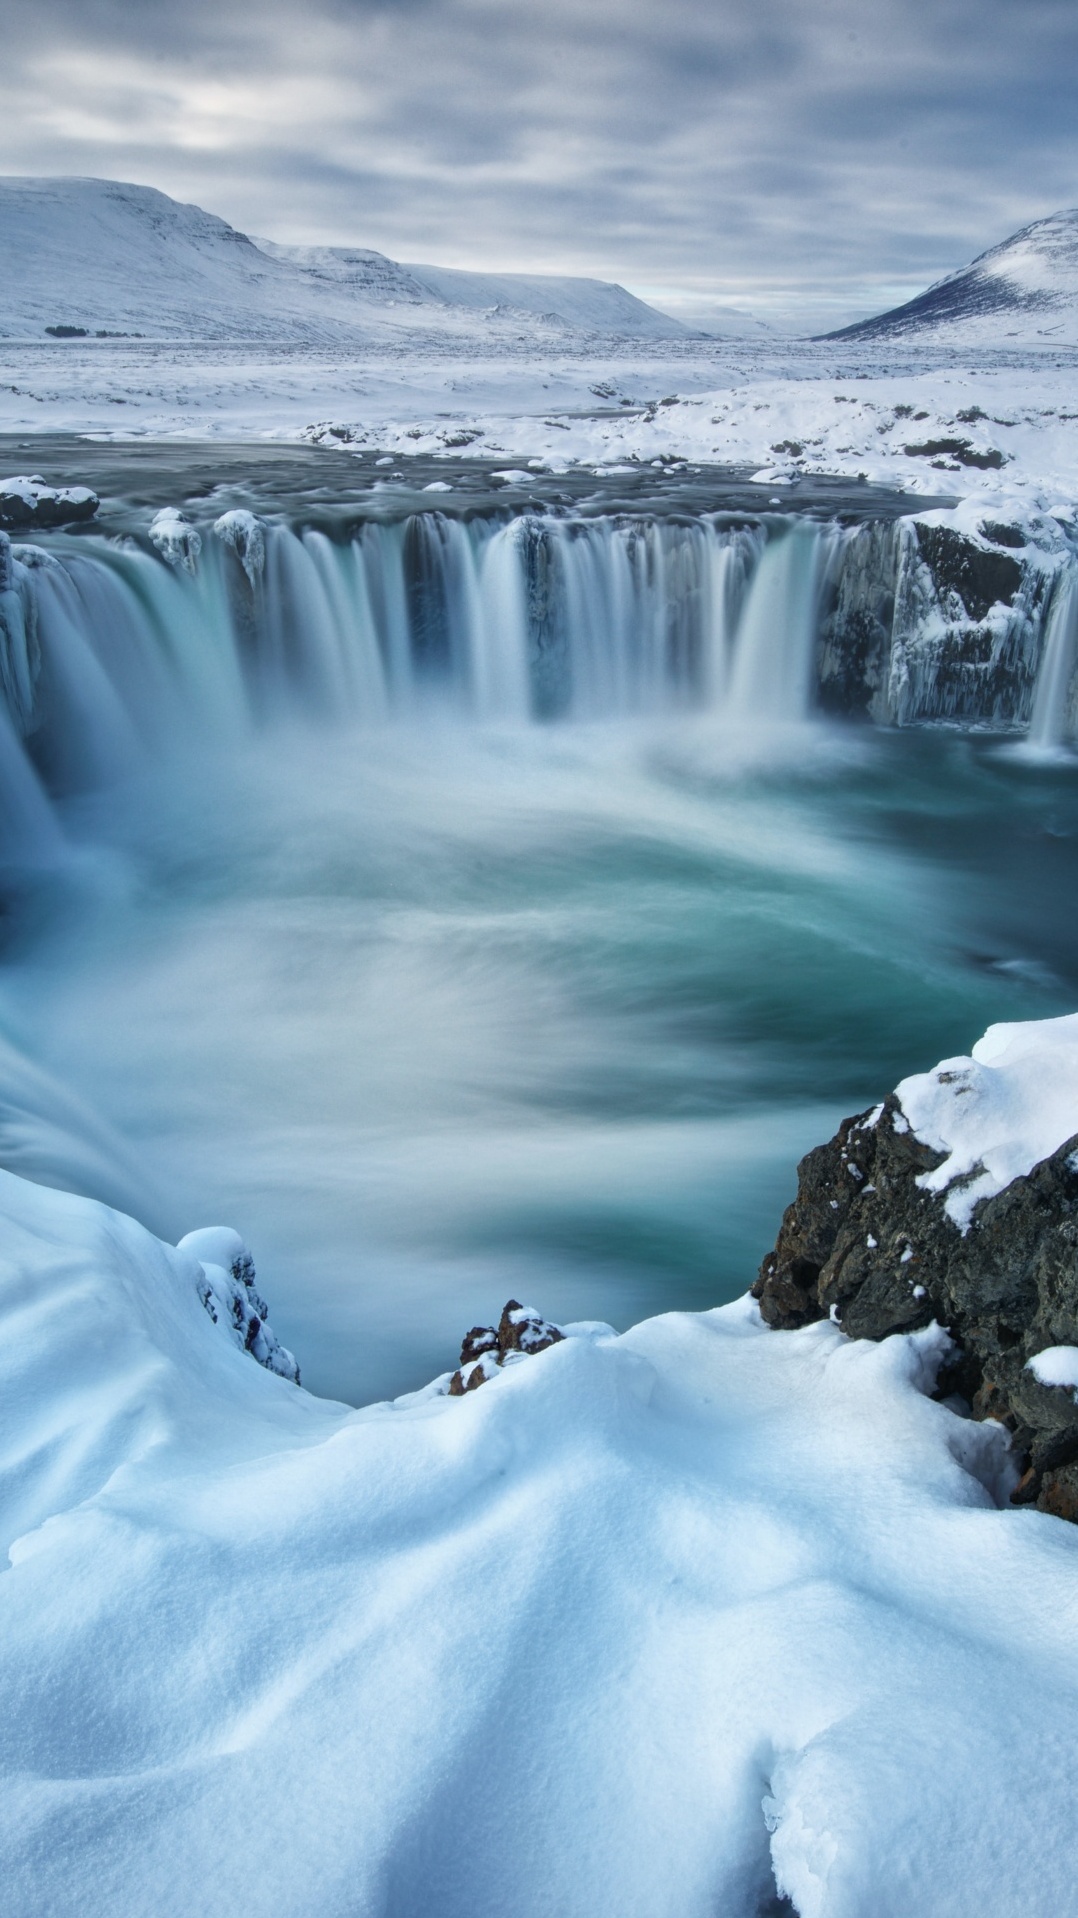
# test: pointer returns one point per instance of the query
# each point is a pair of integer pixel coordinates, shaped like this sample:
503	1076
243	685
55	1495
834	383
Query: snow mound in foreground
609	1636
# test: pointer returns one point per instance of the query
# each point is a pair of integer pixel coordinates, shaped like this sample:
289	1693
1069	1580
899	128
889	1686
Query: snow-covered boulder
27	501
245	534
520	1333
177	541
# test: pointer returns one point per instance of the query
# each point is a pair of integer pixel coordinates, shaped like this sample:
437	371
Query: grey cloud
814	150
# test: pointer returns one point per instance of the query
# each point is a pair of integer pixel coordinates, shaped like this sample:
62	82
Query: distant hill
590	306
1023	292
103	257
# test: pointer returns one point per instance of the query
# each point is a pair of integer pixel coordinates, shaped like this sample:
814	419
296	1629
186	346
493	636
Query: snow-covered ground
196	330
645	1625
982	426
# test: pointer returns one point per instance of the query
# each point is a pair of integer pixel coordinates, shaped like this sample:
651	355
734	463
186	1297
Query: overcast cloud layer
826	157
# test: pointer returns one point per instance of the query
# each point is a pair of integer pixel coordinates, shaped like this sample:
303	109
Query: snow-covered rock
245	533
942	615
26	501
176	539
956	1200
520	1333
228	1291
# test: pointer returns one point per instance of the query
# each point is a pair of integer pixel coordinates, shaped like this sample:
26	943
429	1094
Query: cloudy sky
815	158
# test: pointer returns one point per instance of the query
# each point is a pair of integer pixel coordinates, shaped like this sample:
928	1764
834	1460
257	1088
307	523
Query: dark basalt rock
486	1347
863	1243
958	565
960	452
26	504
1002	533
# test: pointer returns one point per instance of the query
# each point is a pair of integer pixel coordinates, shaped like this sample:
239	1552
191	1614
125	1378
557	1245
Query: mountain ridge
82	255
1025	288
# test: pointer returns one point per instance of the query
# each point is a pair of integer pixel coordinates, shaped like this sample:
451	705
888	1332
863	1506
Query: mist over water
473	910
438	1013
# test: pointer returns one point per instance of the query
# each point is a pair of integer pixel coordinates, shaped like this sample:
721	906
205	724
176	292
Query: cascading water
439	899
1048	723
499	621
771	676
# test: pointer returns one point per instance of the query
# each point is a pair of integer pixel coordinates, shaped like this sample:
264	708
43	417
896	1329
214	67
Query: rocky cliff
940	618
867	1242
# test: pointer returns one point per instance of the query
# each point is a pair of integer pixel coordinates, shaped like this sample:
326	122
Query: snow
114	260
998	1113
639	1622
1023	290
1057	1365
175	538
350	348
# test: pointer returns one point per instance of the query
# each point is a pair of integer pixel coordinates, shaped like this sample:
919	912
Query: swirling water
437	1001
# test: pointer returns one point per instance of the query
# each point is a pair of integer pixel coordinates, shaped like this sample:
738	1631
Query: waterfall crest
113	653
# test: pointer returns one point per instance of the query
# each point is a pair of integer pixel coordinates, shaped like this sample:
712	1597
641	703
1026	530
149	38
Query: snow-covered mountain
103	257
592	306
1023	291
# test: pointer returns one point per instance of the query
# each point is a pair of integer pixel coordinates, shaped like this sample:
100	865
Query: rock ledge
865	1244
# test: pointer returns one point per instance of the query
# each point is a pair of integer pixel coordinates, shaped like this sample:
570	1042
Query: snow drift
652	1624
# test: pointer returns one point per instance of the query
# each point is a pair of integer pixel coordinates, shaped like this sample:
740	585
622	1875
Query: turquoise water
440	1012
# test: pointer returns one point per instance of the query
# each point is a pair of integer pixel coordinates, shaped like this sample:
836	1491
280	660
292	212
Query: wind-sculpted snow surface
643	1621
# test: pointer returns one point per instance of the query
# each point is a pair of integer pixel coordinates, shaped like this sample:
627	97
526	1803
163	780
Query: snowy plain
997	429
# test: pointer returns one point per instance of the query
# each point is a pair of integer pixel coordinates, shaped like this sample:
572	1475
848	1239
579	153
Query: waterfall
1048	722
112	659
772	670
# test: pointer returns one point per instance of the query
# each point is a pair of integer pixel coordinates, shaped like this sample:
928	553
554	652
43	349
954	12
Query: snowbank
607	1636
998	1113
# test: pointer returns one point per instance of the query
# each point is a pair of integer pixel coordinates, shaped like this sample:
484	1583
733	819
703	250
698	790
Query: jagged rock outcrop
930	620
865	1243
520	1331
